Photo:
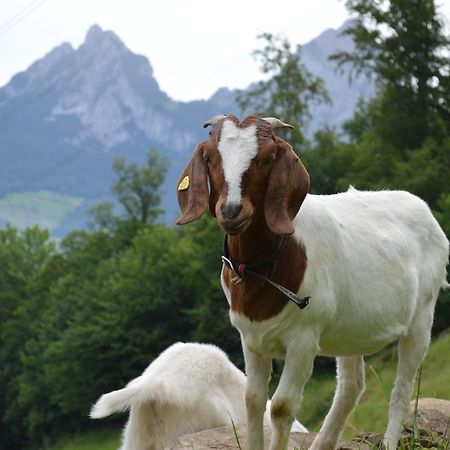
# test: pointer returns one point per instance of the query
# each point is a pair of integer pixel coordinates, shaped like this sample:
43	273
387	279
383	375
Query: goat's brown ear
192	188
287	188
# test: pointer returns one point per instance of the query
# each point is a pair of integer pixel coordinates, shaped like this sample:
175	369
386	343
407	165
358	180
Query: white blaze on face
237	146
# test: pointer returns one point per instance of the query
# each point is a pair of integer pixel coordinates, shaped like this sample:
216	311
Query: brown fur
255	298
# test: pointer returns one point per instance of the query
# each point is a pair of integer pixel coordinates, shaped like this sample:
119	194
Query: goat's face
251	172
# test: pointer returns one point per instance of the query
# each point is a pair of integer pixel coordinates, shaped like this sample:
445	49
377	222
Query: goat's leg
411	352
258	374
350	386
287	398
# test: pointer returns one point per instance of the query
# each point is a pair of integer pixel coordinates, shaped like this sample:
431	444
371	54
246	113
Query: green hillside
94	440
370	415
43	208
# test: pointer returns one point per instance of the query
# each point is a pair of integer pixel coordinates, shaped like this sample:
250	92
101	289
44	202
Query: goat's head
251	173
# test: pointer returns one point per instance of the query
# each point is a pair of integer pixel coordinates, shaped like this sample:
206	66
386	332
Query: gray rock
223	438
433	416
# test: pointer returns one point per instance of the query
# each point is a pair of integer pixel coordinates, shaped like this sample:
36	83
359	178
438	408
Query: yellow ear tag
184	184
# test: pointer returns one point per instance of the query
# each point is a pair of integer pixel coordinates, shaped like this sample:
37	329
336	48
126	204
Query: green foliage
404	46
98	440
137	190
137	187
400	139
29	265
442	212
289	92
108	309
442	314
371	413
371	162
326	161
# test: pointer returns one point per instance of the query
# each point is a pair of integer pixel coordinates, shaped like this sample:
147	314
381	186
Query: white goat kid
189	387
372	264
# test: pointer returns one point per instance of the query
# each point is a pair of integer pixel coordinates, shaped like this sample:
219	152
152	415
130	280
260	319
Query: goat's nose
230	210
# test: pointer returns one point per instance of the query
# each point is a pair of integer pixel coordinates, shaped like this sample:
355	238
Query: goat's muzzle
234	218
233	227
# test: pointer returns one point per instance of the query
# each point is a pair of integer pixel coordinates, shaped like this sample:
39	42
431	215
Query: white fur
237	146
376	263
189	387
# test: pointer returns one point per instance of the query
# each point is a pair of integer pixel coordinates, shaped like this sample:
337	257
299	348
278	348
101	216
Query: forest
83	316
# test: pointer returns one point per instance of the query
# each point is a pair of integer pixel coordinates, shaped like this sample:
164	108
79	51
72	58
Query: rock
223	438
367	437
433	416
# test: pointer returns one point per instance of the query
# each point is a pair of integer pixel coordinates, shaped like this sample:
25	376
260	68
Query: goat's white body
190	387
376	263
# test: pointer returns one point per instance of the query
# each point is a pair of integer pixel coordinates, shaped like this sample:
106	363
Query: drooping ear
287	188
192	188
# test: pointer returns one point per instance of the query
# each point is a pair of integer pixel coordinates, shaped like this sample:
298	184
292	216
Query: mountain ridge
66	118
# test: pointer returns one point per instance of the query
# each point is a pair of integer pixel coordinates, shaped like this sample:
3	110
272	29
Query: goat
189	387
372	264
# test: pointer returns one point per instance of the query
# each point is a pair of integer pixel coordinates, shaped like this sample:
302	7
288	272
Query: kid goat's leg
350	386
411	352
258	374
287	398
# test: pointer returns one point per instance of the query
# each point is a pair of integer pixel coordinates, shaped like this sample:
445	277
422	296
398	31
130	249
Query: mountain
66	118
315	56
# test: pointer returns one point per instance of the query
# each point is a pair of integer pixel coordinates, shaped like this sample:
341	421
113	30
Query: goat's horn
276	123
213	120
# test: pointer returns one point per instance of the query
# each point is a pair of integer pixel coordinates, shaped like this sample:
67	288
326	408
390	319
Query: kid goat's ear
192	188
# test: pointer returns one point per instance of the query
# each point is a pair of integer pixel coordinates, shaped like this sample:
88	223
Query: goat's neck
255	241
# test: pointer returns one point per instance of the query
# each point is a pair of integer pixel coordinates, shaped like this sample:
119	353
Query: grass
93	440
235	433
43	208
370	415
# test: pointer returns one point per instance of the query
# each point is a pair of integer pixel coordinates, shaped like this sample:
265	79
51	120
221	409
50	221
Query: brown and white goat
371	262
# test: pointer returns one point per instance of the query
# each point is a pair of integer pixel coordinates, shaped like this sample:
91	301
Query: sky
194	46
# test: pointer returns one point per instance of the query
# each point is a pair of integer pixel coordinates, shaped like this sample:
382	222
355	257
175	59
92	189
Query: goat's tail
137	392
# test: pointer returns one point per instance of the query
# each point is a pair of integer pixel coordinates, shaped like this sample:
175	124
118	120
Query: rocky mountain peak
94	34
102	43
65	119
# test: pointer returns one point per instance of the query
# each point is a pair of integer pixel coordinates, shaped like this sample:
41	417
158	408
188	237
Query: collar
248	268
262	260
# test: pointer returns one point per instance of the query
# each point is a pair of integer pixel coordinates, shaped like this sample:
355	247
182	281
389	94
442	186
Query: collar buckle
237	278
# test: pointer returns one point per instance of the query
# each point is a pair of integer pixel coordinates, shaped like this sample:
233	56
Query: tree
29	267
288	92
326	161
442	314
403	44
137	188
138	191
399	139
